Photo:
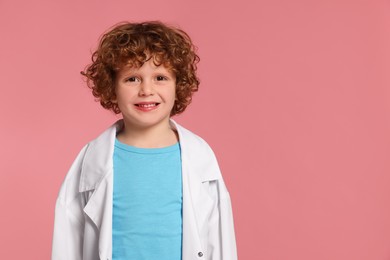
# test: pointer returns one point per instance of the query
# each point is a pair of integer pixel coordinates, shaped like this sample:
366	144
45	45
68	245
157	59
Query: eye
160	78
132	79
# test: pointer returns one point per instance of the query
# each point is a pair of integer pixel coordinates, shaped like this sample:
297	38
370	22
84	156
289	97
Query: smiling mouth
147	105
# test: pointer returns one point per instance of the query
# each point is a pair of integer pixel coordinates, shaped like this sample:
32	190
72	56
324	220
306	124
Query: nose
146	89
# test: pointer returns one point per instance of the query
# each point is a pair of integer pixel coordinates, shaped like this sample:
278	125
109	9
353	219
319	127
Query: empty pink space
294	99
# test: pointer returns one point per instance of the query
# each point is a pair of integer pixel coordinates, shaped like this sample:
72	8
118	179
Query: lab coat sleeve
222	242
69	217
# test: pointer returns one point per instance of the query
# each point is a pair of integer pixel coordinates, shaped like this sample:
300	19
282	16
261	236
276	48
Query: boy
146	188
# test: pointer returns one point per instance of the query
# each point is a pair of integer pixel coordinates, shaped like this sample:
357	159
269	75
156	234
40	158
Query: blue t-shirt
147	203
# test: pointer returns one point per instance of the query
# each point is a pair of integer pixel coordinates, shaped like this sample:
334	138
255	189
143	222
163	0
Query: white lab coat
83	213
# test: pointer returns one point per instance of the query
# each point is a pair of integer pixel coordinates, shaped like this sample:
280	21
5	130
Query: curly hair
131	44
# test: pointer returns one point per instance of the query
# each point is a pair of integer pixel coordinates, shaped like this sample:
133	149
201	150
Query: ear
114	100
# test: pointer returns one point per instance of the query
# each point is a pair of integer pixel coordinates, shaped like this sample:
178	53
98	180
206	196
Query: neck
158	136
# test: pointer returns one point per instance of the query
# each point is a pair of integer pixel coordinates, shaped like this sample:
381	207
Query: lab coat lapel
97	177
191	240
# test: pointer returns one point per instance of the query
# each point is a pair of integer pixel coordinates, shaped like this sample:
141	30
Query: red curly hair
131	44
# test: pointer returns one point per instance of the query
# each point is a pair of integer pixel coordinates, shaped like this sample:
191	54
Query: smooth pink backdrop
294	100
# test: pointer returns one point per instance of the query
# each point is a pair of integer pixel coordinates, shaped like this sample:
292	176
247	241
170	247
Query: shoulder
192	141
106	138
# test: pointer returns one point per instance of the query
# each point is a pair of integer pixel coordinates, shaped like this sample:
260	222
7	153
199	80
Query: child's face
145	95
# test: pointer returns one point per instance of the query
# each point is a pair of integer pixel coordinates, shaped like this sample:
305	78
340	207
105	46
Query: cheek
124	93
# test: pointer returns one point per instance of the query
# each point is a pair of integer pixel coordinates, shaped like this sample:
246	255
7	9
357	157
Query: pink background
294	100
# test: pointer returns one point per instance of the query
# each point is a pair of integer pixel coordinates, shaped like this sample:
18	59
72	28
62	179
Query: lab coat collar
98	157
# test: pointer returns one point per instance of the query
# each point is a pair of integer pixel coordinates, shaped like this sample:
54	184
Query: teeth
147	105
